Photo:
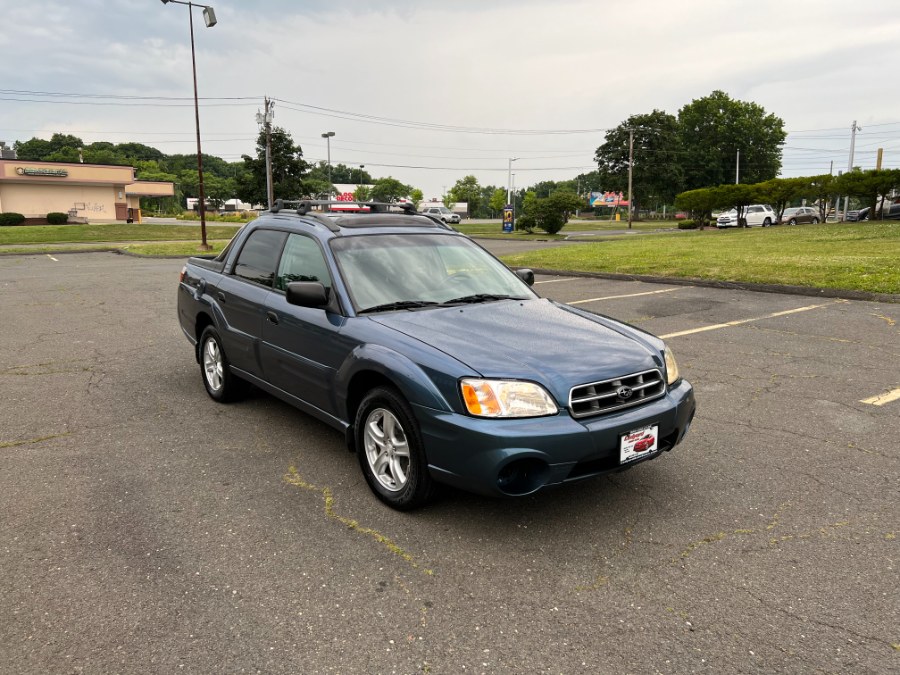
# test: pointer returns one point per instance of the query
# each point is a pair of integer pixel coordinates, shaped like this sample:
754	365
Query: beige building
94	193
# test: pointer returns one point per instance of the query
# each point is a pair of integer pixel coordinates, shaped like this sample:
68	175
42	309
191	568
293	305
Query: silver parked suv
443	213
755	215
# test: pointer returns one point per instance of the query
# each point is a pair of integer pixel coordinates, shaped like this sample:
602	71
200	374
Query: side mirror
307	294
526	275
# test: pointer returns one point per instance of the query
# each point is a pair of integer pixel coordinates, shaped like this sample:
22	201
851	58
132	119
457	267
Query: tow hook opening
522	476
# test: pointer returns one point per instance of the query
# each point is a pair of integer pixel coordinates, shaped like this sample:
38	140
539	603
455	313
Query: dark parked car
858	215
437	362
800	214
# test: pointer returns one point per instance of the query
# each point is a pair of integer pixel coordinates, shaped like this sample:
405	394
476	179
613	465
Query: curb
844	294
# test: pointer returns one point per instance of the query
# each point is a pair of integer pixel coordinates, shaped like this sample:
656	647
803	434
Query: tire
815	221
390	450
767	222
220	383
792	221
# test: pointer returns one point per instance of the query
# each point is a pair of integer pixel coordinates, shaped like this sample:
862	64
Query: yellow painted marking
729	324
881	399
294	478
629	295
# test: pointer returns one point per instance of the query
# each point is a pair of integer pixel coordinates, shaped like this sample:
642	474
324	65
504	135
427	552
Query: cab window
259	256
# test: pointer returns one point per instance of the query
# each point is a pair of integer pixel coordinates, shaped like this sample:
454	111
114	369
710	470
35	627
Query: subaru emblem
624	393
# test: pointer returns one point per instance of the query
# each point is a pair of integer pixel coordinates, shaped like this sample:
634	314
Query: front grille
606	396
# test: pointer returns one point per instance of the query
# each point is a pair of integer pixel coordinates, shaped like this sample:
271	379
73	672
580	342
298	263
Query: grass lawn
854	256
63	234
863	256
493	230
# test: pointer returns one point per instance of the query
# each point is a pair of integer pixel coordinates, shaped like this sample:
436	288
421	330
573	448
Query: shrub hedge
11	218
688	224
57	218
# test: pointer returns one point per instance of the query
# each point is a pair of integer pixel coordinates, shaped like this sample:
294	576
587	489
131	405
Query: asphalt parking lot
146	528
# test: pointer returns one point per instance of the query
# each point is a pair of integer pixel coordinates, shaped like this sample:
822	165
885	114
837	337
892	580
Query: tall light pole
361	167
209	16
327	136
509	179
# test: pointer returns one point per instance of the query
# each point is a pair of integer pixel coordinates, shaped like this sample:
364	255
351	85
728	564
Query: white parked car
443	213
756	215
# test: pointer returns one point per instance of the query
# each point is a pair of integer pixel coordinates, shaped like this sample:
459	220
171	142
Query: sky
429	92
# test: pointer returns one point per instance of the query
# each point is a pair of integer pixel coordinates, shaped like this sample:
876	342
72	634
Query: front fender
419	385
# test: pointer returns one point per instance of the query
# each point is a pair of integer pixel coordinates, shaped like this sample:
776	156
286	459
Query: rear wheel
815	221
220	383
767	222
390	449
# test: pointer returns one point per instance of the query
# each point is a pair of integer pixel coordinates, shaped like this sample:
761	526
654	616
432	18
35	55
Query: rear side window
259	257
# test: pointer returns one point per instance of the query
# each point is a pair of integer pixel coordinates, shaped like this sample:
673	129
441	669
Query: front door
121	211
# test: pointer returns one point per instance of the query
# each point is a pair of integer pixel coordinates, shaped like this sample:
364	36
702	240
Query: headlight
506	398
672	375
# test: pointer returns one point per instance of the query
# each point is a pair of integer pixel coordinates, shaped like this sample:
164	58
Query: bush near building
57	218
11	218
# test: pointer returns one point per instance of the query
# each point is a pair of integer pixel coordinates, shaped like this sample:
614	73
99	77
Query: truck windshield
395	270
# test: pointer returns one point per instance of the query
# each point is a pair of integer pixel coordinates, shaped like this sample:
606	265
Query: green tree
699	204
657	170
781	192
416	196
714	128
363	193
548	213
735	196
38	149
821	189
498	200
288	169
469	191
868	186
389	189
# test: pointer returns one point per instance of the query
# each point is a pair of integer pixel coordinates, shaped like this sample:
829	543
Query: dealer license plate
638	443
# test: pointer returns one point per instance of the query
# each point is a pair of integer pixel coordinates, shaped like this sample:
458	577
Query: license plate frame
638	444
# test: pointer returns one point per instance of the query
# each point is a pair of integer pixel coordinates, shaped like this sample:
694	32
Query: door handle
272	317
221	296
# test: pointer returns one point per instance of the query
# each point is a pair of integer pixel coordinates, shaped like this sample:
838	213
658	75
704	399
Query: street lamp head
165	2
209	15
328	134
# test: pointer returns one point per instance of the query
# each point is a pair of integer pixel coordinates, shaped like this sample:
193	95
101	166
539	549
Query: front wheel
390	449
220	383
815	221
792	221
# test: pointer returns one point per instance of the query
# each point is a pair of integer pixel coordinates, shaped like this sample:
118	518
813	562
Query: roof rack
304	206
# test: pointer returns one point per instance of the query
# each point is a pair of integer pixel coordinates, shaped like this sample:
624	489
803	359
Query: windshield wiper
479	297
400	304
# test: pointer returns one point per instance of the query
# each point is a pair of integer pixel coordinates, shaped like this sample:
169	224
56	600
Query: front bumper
516	457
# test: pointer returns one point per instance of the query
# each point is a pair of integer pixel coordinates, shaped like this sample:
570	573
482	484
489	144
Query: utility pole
737	168
265	120
853	129
630	168
878	159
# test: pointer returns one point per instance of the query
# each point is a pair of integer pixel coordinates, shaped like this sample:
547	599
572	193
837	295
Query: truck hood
536	340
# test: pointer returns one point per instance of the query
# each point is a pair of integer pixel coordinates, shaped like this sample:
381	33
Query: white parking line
629	295
52	258
881	399
743	321
553	281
